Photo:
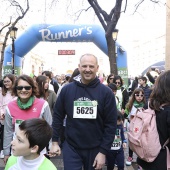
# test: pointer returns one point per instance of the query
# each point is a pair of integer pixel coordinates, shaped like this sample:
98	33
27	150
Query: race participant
91	119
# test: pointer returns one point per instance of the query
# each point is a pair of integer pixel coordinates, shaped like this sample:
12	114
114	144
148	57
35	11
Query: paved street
59	163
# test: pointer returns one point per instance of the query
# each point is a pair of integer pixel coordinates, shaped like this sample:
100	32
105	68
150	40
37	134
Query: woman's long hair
161	91
41	80
12	78
108	81
132	98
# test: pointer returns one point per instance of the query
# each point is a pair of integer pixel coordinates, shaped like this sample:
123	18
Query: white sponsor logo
48	36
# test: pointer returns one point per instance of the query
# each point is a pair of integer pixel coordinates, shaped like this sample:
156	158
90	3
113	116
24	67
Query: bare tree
11	25
109	22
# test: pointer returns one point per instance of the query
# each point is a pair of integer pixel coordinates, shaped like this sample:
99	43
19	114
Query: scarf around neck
27	105
138	105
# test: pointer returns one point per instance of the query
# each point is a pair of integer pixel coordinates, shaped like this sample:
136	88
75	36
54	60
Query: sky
132	26
44	11
129	25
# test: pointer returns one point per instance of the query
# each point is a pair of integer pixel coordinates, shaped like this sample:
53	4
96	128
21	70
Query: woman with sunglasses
6	96
122	93
110	79
136	101
26	106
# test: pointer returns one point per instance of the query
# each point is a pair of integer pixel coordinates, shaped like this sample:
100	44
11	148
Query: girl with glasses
6	96
26	106
136	101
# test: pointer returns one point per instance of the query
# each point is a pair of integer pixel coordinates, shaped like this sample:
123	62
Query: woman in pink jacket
6	96
26	106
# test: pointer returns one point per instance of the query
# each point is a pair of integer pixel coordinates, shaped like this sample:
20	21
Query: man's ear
34	149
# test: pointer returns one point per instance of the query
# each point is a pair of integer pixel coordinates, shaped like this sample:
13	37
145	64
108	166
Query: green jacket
46	164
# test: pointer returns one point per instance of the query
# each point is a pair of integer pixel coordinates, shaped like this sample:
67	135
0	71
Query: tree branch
80	12
6	25
104	13
8	32
91	2
115	17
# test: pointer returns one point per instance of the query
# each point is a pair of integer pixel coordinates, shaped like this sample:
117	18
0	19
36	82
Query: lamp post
13	34
113	54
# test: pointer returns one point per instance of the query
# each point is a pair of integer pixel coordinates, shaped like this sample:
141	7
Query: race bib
85	109
117	143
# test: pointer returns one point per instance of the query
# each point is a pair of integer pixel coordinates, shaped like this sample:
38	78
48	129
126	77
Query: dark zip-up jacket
86	133
147	91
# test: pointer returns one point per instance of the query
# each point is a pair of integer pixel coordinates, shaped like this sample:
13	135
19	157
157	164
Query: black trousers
113	155
76	159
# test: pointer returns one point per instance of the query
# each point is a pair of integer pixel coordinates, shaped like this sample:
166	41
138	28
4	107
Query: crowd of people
79	115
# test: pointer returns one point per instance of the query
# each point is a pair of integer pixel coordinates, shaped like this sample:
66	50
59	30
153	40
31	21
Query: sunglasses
25	87
111	78
117	82
139	95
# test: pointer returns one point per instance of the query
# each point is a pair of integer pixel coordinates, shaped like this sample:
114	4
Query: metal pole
13	53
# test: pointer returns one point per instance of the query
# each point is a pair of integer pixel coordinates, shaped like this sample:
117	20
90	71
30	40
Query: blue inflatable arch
58	33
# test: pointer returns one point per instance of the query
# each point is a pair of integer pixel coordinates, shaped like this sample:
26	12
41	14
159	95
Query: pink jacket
4	100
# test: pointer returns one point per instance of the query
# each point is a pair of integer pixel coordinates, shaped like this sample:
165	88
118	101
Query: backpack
143	135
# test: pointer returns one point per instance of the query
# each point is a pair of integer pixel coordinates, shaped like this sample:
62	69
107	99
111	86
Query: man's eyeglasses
139	95
117	83
25	87
5	82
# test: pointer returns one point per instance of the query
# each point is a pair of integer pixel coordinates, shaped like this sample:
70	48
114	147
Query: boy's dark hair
38	132
143	78
47	73
112	86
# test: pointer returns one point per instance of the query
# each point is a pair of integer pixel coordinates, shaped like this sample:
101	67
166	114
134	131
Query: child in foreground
32	136
116	153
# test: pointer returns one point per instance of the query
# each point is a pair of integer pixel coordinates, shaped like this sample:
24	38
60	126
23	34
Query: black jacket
147	91
86	133
55	85
125	97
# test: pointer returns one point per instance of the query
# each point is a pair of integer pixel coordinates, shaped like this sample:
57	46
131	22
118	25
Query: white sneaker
129	161
2	154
